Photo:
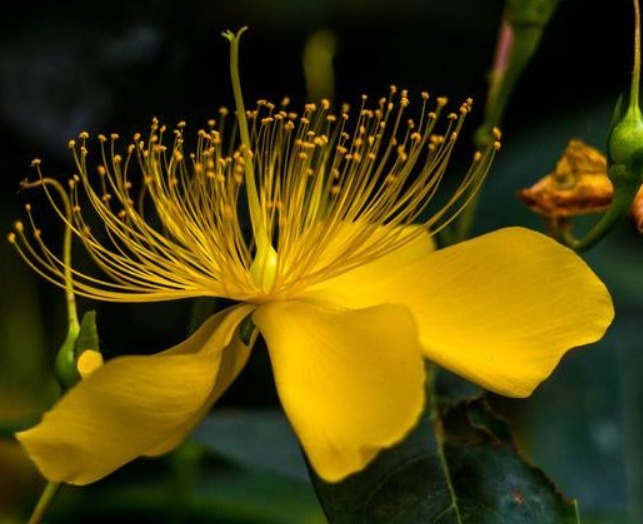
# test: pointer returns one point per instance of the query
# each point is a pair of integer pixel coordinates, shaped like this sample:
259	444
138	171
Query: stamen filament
72	315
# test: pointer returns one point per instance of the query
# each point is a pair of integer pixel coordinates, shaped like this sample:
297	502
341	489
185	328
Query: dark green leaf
470	474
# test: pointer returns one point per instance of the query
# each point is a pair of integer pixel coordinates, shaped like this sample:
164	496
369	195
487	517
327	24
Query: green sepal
619	110
246	329
88	334
76	341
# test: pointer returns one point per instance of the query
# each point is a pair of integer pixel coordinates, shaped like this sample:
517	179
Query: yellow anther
228	212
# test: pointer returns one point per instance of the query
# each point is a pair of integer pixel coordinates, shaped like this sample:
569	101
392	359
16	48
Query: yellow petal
500	310
419	244
234	357
351	382
130	406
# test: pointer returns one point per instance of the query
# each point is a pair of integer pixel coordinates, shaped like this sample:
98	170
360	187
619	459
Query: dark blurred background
110	67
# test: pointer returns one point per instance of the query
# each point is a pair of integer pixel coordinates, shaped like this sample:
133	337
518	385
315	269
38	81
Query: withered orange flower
579	185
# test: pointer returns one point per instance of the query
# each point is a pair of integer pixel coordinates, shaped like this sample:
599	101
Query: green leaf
88	334
470	473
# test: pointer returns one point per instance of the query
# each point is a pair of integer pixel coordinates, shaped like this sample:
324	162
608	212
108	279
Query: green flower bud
624	154
625	145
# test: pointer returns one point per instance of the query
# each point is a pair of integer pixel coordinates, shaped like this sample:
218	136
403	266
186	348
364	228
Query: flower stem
625	156
523	24
44	503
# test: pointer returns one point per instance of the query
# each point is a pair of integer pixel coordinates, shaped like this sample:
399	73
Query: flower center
264	268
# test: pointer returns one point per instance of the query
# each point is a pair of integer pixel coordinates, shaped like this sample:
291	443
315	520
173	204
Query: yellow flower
347	293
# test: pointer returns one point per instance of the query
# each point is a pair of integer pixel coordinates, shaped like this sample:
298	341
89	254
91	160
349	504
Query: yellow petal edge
351	382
